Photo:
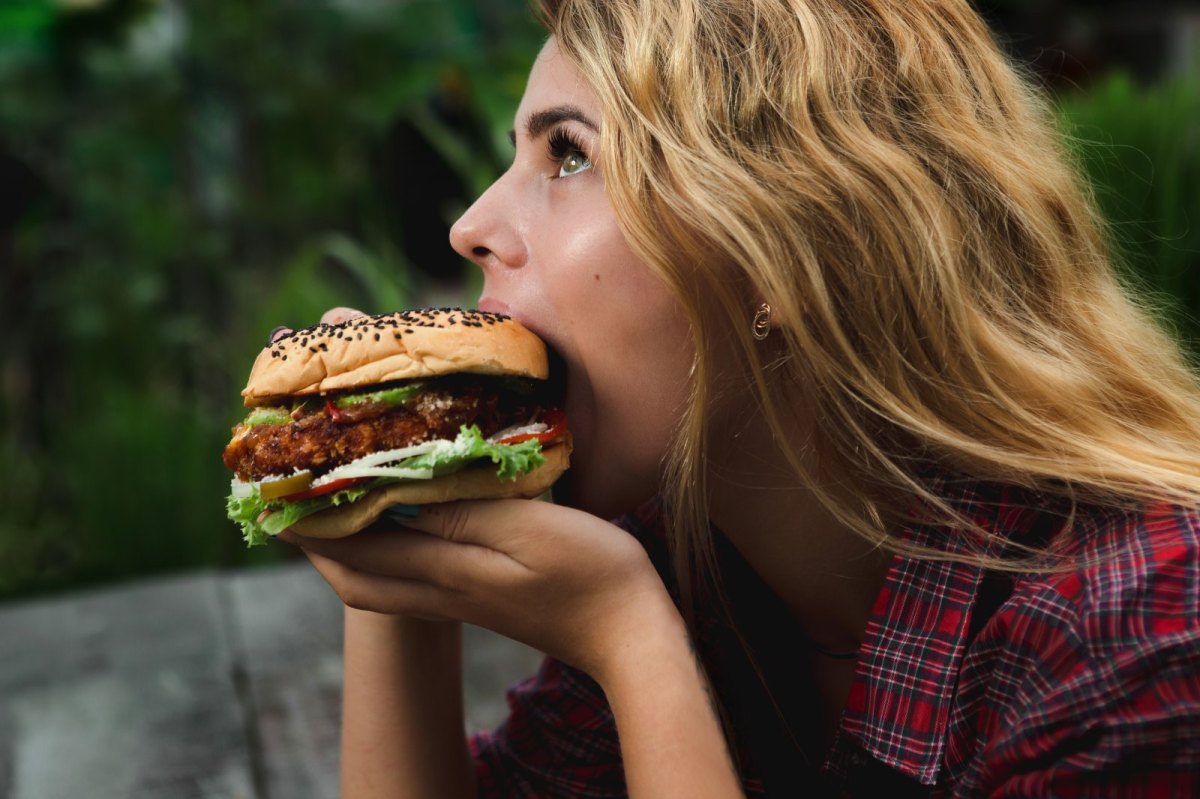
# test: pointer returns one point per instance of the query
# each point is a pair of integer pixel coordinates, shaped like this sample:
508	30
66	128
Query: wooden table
202	685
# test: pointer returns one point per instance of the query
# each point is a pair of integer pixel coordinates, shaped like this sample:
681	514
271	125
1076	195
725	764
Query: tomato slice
336	414
328	488
556	426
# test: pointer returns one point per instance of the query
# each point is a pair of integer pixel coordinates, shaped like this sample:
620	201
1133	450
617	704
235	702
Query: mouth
554	390
556	383
563	490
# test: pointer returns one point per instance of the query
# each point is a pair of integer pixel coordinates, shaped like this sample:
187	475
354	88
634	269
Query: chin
598	494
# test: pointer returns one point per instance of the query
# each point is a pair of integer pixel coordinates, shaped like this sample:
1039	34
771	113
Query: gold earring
762	322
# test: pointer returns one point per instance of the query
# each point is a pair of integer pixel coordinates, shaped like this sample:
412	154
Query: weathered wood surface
205	685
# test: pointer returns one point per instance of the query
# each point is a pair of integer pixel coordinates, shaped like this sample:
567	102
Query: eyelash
560	143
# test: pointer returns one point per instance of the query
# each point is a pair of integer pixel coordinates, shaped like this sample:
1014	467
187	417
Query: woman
909	481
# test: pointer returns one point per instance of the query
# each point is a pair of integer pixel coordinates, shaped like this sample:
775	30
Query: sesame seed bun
367	350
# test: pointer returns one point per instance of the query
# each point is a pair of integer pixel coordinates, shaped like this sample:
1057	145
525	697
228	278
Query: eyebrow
539	122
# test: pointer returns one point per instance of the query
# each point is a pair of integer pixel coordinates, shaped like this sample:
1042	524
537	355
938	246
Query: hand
560	580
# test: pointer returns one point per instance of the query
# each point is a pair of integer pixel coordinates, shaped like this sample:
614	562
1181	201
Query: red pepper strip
328	488
556	424
335	413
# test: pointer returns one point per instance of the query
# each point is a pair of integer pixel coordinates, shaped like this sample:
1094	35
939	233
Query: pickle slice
267	416
273	488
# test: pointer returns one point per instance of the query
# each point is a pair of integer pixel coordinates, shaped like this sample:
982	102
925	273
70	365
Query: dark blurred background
177	177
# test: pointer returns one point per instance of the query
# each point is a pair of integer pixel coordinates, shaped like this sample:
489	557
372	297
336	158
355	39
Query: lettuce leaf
513	460
244	511
261	519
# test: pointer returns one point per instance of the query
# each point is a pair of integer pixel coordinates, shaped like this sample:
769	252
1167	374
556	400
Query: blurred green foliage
178	177
182	177
1141	148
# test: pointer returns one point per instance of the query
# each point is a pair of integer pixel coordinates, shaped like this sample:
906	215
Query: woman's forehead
554	81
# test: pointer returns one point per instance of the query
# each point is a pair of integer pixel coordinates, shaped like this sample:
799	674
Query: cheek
612	291
635	350
629	350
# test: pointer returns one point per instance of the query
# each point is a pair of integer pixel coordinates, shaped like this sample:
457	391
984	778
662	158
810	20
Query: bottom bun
477	482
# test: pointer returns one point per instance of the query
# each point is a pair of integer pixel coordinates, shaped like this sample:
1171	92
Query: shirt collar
899	704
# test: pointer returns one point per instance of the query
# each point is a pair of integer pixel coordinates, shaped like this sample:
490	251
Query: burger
349	420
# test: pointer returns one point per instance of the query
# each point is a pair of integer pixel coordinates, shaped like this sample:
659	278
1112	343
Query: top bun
367	350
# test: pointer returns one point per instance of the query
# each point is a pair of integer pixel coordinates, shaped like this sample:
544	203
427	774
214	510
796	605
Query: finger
413	555
278	333
335	316
364	591
492	523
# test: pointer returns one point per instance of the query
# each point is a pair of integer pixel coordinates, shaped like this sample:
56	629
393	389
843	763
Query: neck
826	574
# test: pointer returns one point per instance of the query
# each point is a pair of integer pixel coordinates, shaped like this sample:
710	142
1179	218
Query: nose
489	233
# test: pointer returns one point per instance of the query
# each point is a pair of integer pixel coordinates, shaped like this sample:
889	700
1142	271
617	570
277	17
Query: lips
495	306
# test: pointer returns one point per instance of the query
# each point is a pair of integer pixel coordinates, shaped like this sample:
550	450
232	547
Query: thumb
335	316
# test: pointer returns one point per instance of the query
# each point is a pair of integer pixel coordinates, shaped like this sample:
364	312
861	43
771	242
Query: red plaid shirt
969	682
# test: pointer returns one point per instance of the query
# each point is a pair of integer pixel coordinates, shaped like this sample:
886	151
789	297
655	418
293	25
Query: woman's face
553	257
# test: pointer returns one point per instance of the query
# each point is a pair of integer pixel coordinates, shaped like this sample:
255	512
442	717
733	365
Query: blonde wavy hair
895	188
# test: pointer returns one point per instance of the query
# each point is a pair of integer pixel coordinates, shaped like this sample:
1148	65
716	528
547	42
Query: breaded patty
319	440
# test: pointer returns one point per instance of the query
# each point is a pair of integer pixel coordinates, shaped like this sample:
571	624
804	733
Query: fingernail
402	513
277	333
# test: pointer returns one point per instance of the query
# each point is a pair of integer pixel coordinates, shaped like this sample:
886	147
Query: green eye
566	150
573	164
